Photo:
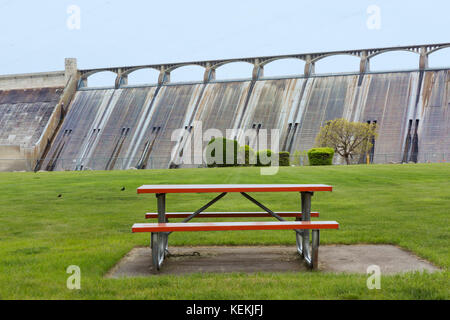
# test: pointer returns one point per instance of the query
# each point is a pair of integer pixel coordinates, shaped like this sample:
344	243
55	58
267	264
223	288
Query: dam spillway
53	121
131	127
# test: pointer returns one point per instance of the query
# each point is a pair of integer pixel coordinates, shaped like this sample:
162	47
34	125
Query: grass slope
41	234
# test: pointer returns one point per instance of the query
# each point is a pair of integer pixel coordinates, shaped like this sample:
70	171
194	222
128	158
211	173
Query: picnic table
302	225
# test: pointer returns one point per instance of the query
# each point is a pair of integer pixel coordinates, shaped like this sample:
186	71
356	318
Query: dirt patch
251	259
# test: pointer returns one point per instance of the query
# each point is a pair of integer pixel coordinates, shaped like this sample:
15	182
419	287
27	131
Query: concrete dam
65	125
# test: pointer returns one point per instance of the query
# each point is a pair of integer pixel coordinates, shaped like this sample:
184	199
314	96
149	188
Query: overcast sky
36	36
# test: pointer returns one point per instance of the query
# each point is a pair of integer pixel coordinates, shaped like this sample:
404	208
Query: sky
36	36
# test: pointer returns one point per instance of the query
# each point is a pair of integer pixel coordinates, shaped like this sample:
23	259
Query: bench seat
224	226
262	214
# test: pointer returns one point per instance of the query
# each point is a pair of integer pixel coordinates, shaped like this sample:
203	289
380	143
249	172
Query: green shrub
283	158
300	157
320	156
261	158
247	156
229	157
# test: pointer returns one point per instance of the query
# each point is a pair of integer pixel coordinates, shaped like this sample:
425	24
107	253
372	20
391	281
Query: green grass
90	226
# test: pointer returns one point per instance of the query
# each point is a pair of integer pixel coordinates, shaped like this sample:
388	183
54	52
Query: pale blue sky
34	35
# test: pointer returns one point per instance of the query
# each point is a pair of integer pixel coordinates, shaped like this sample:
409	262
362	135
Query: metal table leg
306	216
158	245
315	249
307	251
160	240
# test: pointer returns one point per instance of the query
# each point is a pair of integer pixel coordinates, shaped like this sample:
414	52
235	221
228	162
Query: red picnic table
302	225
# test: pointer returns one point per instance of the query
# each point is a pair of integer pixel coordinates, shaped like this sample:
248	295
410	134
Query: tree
347	138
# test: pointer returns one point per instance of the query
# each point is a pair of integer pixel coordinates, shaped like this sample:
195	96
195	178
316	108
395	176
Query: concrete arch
438	48
83	82
172	68
403	59
86	75
278	67
131	70
222	63
258	62
345	62
314	60
187	72
266	62
440	58
139	76
122	74
219	66
391	50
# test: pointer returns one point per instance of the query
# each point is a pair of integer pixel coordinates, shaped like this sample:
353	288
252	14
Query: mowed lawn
89	225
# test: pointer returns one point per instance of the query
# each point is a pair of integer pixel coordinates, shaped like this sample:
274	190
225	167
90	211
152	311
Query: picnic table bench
302	225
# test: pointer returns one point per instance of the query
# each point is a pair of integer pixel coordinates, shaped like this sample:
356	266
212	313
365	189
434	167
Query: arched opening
284	67
143	76
190	73
234	70
439	58
102	79
337	64
395	60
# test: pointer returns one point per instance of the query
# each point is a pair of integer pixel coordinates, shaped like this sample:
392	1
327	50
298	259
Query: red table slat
224	226
204	188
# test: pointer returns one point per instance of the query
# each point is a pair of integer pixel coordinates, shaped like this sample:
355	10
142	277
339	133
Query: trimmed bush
261	158
300	157
320	156
284	159
246	156
228	159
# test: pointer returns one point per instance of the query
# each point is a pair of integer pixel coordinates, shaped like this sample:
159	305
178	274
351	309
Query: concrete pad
251	259
356	259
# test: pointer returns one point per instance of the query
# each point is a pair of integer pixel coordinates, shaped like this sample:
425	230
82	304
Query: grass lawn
41	234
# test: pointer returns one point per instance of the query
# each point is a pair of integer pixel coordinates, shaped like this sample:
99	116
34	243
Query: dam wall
28	119
54	121
32	107
134	127
33	80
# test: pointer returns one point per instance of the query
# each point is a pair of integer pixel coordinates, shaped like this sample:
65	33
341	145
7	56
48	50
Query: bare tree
348	139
